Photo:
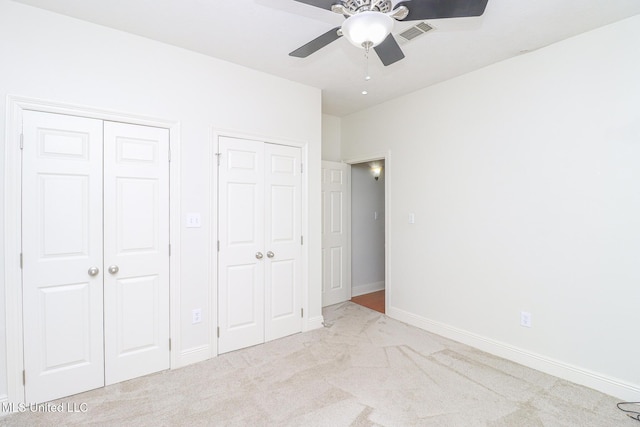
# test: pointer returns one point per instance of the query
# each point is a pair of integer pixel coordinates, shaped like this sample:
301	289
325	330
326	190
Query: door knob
270	254
93	271
113	269
259	255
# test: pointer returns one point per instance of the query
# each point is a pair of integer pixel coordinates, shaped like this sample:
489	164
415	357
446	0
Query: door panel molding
16	105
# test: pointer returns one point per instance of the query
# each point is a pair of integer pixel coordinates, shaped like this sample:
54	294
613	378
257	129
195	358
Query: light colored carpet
363	369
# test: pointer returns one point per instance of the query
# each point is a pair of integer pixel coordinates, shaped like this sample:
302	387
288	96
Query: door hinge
218	331
218	155
20	260
21	141
169	249
24	377
169	344
169	155
301	167
302	240
218	245
302	312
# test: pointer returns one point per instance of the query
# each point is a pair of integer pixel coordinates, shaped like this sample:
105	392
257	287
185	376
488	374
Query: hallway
374	300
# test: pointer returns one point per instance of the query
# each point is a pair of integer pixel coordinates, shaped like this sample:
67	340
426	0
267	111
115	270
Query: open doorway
368	234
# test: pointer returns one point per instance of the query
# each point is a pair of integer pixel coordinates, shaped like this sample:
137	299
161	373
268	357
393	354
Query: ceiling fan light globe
367	28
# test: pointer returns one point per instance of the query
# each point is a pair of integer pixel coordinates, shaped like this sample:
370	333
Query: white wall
524	178
331	138
367	232
53	57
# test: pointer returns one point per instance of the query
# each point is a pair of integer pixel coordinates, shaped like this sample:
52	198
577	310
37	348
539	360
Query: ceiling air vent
415	31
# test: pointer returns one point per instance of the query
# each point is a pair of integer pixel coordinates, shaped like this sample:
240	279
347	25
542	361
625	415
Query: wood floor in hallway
374	300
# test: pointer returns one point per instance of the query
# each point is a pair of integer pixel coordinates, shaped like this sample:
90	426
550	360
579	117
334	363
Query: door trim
12	224
386	156
307	322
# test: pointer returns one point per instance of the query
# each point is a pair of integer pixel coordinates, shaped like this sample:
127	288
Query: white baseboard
316	322
194	355
608	385
204	352
367	288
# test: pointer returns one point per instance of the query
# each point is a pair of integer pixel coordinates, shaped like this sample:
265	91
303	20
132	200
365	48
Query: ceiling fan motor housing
356	6
376	12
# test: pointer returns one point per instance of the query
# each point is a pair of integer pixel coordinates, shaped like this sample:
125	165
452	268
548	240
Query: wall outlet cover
525	319
196	316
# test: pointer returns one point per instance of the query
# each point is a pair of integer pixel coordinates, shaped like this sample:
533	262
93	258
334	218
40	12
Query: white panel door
282	241
136	250
241	257
62	255
336	234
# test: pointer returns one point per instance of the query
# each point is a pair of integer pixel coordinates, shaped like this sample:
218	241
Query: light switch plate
193	220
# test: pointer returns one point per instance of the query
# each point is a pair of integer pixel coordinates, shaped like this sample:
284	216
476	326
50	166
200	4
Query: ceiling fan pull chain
367	77
366	65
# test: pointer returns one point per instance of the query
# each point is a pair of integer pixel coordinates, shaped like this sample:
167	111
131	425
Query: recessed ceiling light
364	92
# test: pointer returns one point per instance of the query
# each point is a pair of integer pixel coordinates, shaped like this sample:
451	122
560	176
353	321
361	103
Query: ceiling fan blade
316	44
322	4
389	51
436	9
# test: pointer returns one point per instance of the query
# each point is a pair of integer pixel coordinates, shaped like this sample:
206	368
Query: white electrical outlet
412	218
525	319
196	316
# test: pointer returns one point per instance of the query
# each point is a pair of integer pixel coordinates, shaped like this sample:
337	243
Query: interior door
260	247
136	250
283	244
95	253
241	257
336	233
62	255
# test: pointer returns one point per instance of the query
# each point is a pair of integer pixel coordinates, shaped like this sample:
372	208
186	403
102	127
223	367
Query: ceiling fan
369	22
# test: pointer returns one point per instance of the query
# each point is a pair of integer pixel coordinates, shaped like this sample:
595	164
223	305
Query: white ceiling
260	33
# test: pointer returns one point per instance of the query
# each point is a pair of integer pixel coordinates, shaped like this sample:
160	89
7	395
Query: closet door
283	244
62	255
260	247
136	250
241	256
95	253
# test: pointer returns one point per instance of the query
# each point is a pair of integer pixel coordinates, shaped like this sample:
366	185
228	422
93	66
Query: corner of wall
331	138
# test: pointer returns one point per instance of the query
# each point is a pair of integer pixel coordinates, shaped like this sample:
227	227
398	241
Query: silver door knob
93	271
113	269
270	254
259	255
